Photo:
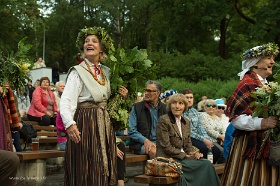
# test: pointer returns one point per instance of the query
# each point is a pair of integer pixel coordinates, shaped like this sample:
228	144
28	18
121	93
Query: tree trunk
118	29
222	44
277	39
148	30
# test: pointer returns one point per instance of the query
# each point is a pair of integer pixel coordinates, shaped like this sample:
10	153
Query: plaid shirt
197	130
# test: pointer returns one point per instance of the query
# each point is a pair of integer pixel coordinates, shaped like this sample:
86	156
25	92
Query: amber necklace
94	76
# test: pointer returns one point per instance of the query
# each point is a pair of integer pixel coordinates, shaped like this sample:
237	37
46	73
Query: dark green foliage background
197	42
211	88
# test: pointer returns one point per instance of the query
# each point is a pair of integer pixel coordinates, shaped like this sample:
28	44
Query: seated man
199	136
143	120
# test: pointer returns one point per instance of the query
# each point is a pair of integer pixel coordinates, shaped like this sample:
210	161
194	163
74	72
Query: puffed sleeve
69	98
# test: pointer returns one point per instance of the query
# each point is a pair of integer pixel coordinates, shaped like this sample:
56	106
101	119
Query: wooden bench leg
32	172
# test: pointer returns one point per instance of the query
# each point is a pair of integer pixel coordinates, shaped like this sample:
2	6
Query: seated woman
43	107
173	141
213	126
61	132
166	95
220	112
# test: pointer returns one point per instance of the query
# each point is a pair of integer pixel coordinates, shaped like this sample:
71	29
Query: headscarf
246	65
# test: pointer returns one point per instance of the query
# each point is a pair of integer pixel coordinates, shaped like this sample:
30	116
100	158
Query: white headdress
246	65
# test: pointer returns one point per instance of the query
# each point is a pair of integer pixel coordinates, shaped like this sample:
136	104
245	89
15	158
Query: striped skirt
247	171
92	161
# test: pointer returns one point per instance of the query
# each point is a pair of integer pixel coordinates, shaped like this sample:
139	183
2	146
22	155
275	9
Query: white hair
57	83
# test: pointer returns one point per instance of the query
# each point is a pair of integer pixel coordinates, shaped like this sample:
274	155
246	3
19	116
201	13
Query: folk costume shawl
11	110
99	92
9	120
239	104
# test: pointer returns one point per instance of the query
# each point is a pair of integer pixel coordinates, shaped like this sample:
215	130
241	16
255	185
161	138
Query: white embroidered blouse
74	92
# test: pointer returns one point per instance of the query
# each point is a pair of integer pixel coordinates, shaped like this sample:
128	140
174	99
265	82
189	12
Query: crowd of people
161	123
234	136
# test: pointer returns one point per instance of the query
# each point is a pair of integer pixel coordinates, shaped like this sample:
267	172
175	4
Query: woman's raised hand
123	91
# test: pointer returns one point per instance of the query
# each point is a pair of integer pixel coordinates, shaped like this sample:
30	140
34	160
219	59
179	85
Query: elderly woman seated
213	126
173	141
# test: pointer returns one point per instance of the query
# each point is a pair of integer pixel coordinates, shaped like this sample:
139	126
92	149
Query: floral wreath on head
105	39
263	50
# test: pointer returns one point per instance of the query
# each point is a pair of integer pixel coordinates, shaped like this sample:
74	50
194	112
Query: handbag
27	132
160	166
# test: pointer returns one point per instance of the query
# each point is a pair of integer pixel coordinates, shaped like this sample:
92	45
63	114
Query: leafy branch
131	69
267	103
15	67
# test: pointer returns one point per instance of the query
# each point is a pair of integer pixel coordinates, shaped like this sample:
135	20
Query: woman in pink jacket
43	107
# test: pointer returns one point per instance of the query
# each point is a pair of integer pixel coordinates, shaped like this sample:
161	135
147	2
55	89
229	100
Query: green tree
62	28
18	20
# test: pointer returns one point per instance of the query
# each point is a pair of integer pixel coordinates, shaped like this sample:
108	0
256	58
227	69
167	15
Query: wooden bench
40	154
30	122
157	180
32	168
124	138
130	156
38	127
48	128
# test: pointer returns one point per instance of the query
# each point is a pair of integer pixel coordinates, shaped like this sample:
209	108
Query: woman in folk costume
251	167
90	155
8	118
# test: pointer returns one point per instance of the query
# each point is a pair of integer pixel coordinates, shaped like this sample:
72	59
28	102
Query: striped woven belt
90	104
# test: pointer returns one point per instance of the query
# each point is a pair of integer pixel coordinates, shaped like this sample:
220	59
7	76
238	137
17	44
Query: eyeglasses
222	108
149	91
211	105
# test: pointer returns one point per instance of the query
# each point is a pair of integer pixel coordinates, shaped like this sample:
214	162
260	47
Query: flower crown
168	93
105	39
263	50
